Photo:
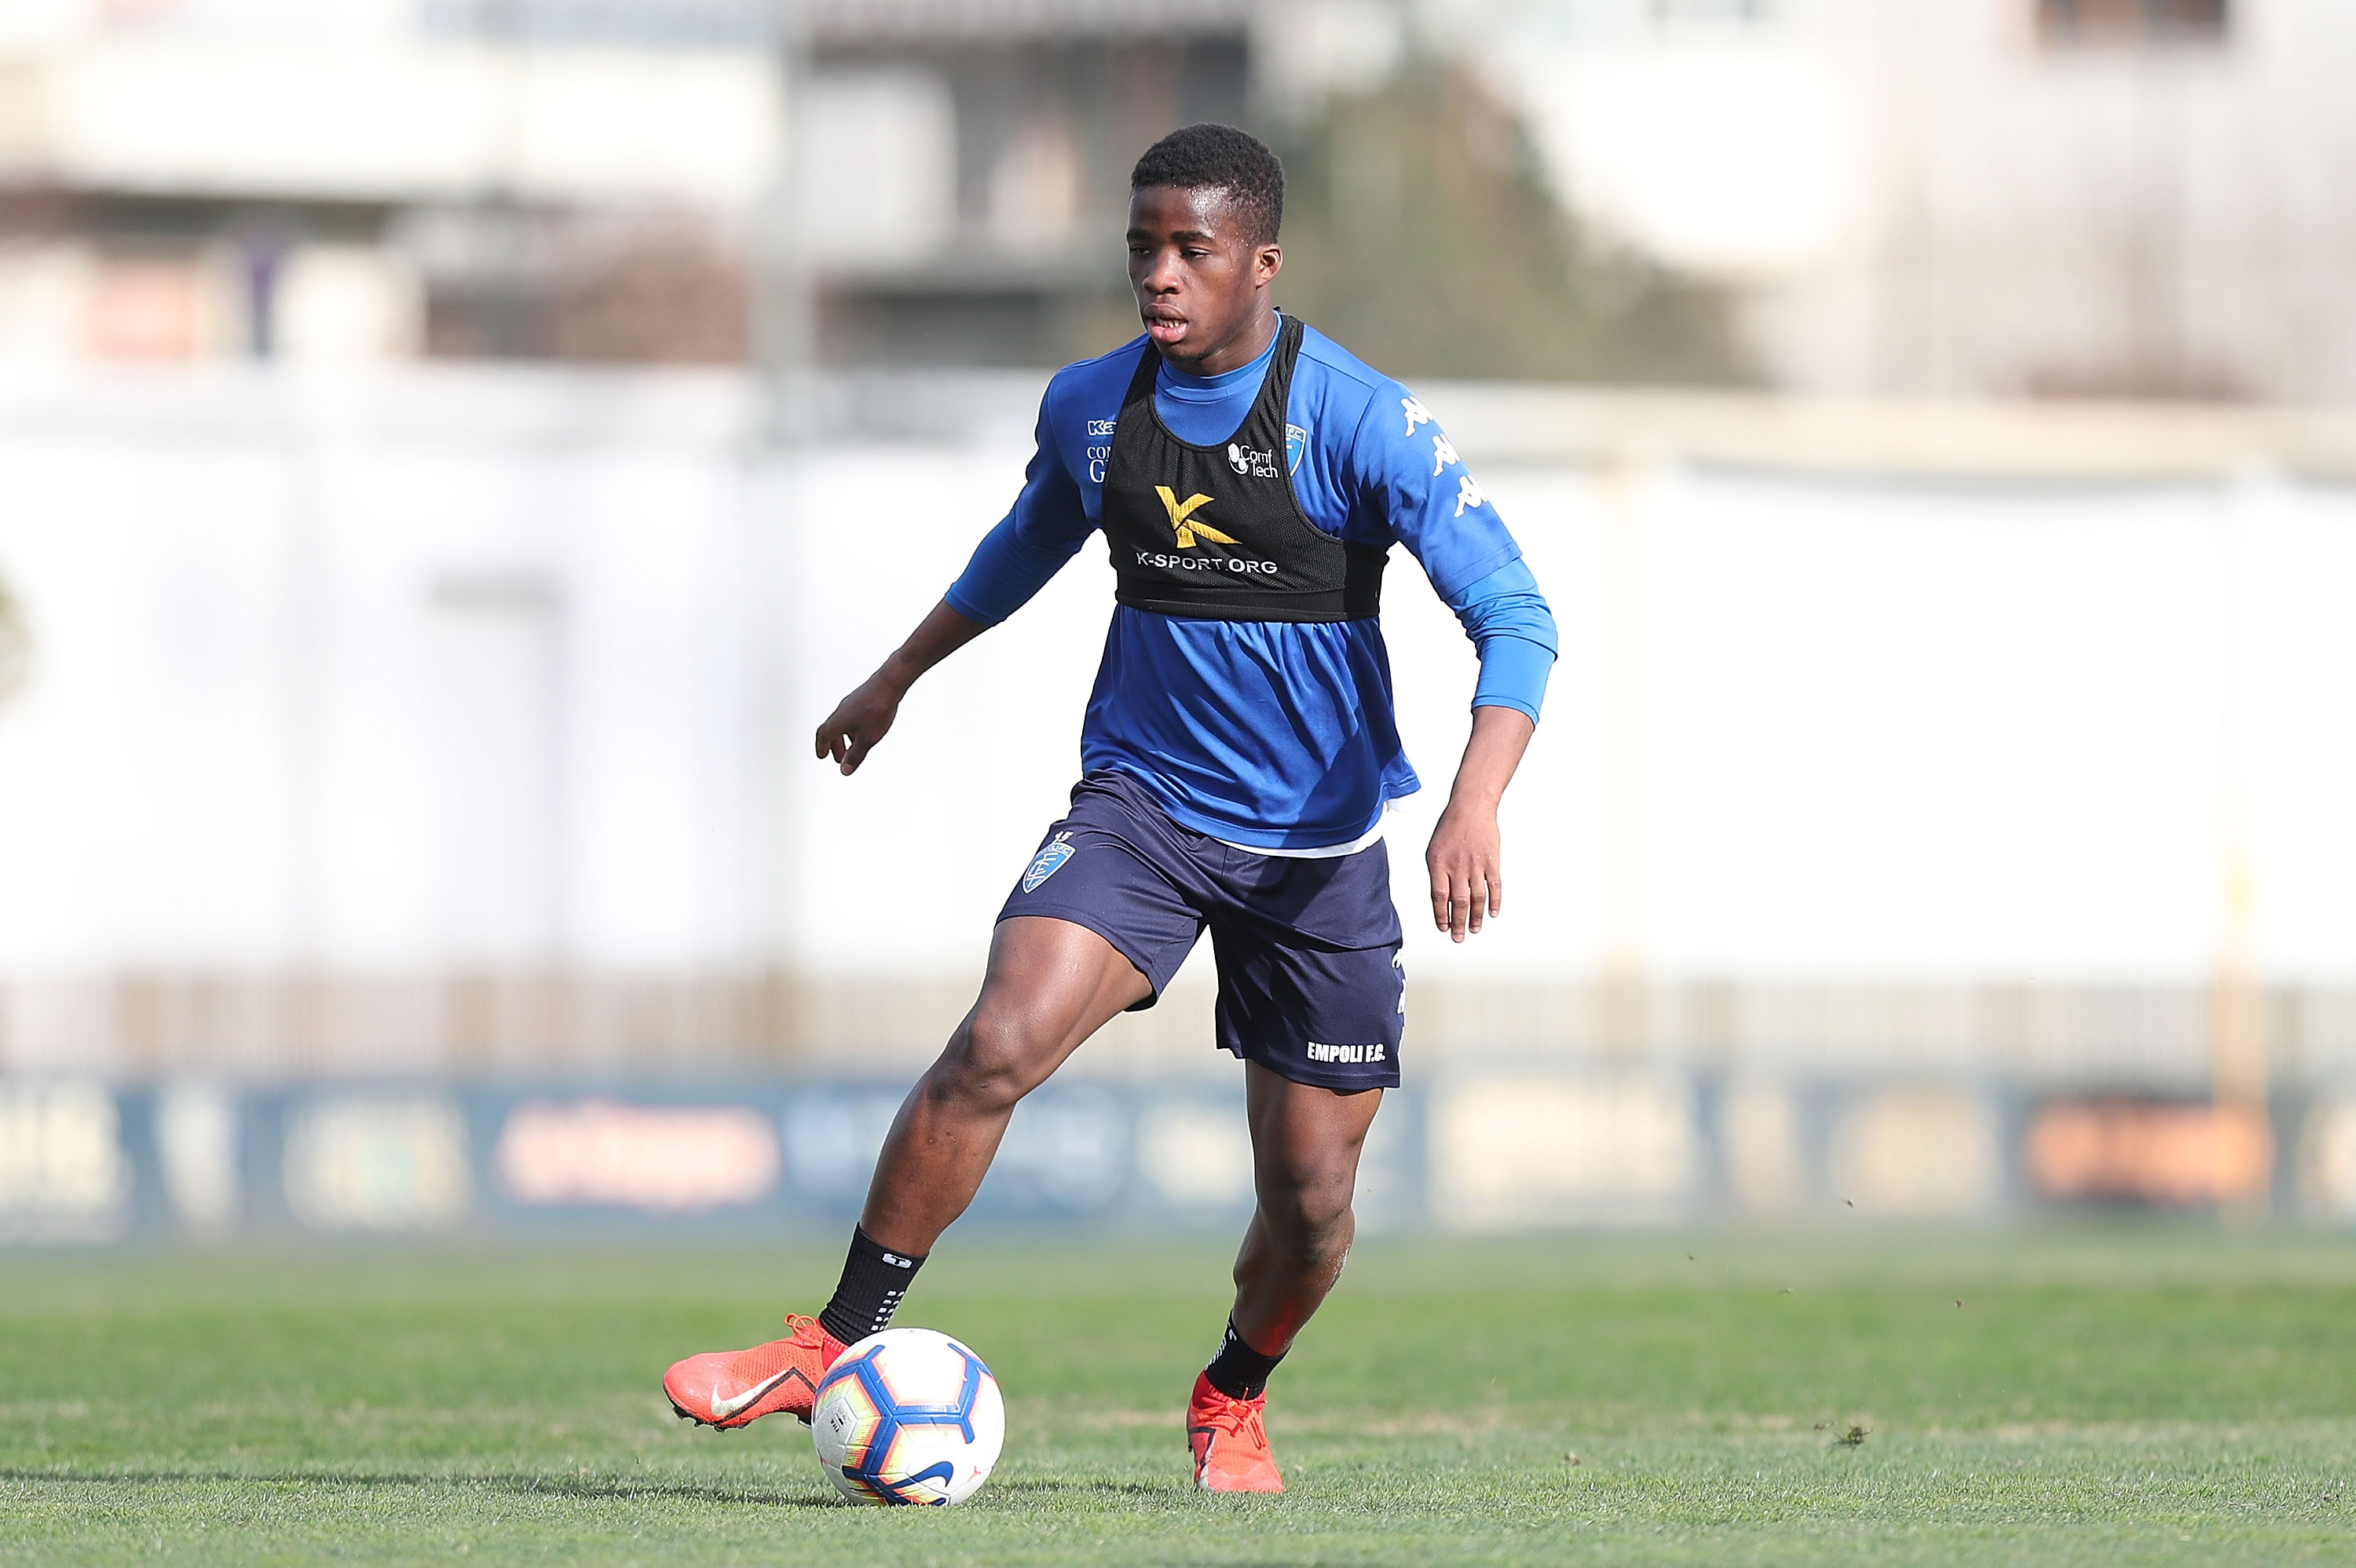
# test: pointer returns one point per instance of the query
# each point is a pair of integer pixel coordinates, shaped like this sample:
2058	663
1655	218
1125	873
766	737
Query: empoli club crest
1048	862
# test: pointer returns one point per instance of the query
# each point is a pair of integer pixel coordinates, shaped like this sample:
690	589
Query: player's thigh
1097	925
1051	984
1306	1139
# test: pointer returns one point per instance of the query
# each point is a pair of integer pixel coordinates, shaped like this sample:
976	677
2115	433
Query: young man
1238	754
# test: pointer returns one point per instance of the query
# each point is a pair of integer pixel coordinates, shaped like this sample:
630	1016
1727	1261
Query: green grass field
2114	1397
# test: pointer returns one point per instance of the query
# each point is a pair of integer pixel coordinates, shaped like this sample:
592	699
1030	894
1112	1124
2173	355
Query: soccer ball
908	1417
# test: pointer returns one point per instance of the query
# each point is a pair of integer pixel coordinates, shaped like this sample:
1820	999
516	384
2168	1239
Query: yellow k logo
1181	511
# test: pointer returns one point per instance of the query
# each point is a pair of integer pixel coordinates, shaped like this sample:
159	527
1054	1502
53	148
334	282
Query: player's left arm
1428	501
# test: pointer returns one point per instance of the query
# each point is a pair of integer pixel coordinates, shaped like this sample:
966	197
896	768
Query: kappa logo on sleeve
1048	862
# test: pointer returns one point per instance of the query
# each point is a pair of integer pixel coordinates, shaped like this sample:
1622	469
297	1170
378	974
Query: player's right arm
1012	563
865	716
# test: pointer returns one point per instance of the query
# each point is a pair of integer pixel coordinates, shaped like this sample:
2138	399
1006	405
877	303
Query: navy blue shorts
1309	982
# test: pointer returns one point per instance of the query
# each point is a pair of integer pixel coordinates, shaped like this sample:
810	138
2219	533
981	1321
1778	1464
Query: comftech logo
1256	465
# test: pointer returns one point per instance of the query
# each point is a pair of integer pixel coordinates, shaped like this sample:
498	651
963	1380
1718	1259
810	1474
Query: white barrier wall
457	667
445	668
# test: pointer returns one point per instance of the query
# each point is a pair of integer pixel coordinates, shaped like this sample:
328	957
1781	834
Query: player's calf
1292	1252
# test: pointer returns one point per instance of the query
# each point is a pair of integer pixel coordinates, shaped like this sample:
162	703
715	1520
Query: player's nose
1161	274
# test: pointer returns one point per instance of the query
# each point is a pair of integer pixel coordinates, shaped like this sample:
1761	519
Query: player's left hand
1466	864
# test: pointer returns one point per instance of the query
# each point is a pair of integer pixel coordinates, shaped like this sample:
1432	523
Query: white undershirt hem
1324	852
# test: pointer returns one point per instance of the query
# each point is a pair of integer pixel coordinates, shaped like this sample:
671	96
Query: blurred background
453	452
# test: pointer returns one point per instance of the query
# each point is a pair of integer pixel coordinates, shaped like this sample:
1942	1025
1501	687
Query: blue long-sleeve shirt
1278	735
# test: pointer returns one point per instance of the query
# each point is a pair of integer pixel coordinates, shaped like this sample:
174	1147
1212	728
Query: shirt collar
1206	389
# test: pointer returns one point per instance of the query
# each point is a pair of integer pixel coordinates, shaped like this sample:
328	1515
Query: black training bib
1213	533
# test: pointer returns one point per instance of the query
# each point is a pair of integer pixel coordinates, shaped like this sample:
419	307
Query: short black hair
1199	157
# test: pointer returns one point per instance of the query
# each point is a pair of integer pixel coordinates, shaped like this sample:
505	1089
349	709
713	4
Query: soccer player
1237	759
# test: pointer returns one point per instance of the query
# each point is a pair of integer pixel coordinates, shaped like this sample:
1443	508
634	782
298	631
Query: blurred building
968	161
199	179
2132	197
579	179
1976	198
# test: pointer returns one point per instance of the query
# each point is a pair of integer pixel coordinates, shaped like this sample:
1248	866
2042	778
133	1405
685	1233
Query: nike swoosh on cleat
725	1408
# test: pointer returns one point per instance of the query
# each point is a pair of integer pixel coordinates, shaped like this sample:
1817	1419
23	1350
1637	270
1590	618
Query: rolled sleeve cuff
1513	673
966	605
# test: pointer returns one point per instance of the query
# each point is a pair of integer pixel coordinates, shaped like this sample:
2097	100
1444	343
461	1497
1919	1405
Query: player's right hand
858	722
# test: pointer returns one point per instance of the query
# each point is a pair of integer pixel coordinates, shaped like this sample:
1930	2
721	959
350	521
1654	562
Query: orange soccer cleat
1230	1444
733	1388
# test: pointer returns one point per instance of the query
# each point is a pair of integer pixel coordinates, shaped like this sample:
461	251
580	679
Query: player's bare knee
1309	1217
991	1063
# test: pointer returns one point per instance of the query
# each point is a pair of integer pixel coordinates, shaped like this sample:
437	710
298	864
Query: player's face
1201	283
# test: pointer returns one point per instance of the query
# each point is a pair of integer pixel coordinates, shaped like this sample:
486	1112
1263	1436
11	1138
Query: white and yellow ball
908	1417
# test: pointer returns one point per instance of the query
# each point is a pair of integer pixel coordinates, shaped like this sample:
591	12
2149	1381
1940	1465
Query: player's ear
1267	261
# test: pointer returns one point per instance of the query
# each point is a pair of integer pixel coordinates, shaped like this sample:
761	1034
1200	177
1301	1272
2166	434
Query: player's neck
1247	343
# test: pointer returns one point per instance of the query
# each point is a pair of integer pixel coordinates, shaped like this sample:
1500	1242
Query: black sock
1238	1371
873	1281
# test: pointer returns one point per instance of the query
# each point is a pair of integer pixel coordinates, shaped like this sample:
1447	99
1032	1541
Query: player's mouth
1164	329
